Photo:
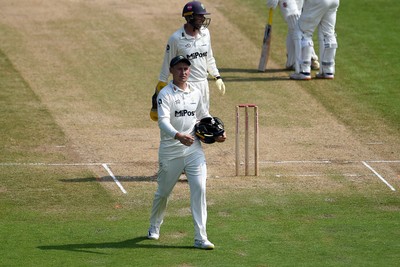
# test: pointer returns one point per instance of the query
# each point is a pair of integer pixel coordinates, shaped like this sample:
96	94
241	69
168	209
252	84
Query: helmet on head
195	8
209	128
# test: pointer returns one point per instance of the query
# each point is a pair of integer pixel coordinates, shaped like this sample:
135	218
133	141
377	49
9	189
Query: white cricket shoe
322	75
203	244
300	76
314	64
154	233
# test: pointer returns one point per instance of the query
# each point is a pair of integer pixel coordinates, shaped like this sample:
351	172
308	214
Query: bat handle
271	11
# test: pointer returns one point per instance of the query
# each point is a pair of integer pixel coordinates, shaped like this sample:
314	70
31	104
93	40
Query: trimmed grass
63	216
25	122
367	67
366	84
273	228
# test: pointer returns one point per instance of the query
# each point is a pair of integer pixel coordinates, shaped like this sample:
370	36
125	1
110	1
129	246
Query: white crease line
316	175
379	176
297	161
383	161
47	164
132	162
115	179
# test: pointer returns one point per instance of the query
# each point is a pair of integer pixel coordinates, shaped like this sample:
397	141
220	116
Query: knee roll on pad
329	40
330	45
306	42
328	48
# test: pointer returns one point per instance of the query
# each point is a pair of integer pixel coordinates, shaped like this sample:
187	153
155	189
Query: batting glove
153	110
220	85
160	85
272	3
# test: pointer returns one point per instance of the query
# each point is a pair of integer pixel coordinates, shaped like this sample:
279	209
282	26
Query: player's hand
185	139
272	3
220	85
221	138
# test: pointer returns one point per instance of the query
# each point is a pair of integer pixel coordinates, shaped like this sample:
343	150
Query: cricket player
291	10
180	106
194	42
321	14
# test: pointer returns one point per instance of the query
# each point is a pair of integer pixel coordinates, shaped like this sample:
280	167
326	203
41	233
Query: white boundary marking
105	166
378	175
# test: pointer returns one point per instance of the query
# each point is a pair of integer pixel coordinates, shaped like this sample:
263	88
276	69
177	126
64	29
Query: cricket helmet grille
196	8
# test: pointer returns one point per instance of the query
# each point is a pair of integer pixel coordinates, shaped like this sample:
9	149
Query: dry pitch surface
94	65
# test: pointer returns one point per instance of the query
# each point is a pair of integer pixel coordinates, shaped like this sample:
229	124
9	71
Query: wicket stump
246	138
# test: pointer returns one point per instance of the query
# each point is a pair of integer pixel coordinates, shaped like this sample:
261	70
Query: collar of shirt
187	36
187	90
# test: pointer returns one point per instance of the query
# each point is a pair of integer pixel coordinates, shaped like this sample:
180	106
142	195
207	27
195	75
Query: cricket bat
266	43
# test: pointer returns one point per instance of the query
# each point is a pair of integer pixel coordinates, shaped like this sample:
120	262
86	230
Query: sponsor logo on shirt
182	113
196	55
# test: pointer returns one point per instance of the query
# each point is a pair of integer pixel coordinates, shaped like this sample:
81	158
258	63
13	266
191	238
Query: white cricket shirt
197	49
178	111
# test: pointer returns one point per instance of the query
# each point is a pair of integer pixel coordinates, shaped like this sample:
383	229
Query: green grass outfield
63	216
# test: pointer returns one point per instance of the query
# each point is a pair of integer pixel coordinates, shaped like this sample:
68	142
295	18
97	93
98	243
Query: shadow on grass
235	78
238	70
119	178
130	243
110	179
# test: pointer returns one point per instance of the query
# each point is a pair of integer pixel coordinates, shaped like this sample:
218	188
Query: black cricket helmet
195	8
207	129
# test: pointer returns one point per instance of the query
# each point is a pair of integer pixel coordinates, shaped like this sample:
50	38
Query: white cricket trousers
169	172
205	91
321	14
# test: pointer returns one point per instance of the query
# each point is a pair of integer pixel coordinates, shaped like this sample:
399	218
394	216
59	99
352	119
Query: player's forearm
166	127
212	66
164	73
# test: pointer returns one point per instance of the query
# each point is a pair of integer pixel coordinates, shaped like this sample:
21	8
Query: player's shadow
152	178
231	75
130	244
239	70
